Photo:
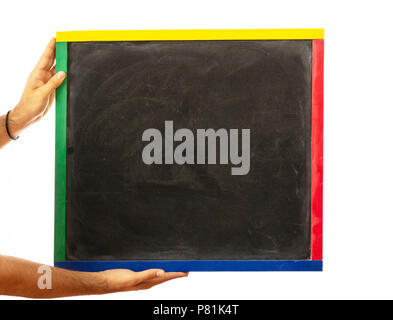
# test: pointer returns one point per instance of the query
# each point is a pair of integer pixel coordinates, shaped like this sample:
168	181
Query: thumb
54	82
148	275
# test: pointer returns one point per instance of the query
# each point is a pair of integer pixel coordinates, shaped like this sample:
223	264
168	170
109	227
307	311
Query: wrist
106	282
101	285
16	123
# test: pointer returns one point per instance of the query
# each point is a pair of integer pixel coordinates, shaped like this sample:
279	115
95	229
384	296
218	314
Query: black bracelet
6	127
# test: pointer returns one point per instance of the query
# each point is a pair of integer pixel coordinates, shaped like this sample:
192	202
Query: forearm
20	277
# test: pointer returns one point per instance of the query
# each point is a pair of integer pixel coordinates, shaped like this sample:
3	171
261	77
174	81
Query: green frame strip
61	154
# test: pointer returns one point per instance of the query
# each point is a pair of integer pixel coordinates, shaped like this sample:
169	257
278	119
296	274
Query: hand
39	92
127	280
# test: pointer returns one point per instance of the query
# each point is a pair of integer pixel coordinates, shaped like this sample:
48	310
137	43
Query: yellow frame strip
171	35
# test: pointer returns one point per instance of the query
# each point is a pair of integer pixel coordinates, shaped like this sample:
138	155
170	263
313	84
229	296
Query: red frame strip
317	150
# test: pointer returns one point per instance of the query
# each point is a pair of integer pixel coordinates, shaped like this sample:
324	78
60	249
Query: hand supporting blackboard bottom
28	279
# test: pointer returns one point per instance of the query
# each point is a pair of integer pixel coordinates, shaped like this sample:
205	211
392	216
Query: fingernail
61	75
160	273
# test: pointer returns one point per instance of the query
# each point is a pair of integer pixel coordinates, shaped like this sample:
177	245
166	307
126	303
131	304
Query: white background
358	210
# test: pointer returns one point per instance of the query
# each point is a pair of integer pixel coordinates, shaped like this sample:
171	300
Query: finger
48	57
53	83
154	282
168	276
148	275
165	277
53	70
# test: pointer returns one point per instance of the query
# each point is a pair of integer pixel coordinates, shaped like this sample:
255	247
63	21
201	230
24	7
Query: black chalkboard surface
120	208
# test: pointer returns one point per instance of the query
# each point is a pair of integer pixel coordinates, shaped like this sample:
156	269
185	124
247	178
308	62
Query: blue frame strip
195	265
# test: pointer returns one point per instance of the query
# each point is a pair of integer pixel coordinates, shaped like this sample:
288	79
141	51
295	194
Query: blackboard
120	208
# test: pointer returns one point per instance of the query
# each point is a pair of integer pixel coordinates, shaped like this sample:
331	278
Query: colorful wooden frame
313	264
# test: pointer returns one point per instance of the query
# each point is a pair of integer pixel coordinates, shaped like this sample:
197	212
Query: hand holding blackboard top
37	96
24	278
